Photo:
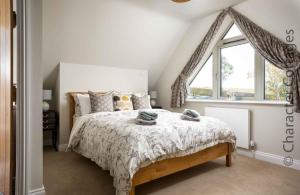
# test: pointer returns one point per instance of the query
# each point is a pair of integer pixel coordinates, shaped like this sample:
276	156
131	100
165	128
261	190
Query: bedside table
50	124
156	107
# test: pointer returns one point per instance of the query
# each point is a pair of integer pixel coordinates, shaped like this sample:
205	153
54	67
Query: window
233	32
202	84
275	89
235	71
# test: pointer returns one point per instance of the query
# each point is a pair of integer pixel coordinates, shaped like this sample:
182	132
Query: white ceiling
189	10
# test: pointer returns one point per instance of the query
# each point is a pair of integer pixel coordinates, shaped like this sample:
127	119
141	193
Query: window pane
275	89
237	71
233	32
202	84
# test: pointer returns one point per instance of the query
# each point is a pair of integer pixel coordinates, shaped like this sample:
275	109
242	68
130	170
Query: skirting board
271	158
62	147
38	191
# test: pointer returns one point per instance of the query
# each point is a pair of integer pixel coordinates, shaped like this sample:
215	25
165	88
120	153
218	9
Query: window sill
253	102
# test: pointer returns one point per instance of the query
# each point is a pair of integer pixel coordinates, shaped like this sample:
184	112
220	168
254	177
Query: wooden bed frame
172	165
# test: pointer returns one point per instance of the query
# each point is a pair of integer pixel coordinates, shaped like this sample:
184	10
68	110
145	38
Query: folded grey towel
147	115
191	113
188	118
145	122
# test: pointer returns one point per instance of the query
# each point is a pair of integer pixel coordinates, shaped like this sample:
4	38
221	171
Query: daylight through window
202	84
235	71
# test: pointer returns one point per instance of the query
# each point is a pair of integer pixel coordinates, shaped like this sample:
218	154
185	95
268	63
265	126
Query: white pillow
82	104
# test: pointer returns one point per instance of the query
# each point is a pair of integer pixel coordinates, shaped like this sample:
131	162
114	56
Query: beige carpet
72	174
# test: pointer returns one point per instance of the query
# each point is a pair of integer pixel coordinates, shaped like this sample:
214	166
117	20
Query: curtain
179	88
276	51
279	53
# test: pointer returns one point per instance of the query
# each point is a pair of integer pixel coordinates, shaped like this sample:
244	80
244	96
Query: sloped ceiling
189	10
139	34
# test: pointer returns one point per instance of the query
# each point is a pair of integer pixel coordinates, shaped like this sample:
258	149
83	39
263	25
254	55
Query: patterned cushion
101	102
122	102
82	104
141	102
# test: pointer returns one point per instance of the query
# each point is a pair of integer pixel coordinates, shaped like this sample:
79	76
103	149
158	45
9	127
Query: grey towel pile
190	115
146	118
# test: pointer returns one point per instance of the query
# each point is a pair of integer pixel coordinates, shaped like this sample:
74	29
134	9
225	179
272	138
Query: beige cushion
141	102
101	102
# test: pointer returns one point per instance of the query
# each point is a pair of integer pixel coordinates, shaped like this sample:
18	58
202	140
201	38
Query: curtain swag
279	53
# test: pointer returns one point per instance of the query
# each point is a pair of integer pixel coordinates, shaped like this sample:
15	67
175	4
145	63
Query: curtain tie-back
293	66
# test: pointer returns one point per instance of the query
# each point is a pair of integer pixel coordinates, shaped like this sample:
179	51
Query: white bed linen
116	143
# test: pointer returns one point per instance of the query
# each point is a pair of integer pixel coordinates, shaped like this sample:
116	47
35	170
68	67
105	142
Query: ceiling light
180	1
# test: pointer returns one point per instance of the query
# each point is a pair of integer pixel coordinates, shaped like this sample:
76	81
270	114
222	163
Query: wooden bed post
132	191
228	156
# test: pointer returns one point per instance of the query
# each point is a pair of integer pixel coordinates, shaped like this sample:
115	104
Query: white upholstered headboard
81	77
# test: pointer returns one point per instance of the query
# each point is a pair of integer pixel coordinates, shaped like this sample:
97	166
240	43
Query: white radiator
238	119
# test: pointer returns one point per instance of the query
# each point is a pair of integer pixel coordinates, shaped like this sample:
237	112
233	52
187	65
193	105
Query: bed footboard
169	166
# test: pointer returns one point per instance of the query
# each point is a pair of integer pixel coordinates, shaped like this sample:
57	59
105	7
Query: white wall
34	155
110	33
82	77
268	122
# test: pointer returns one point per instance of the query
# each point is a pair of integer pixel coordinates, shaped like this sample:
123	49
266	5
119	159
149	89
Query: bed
136	154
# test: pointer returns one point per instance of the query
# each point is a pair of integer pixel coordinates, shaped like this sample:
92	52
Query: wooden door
5	96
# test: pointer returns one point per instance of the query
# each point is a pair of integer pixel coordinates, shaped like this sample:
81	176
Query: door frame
22	103
5	95
21	116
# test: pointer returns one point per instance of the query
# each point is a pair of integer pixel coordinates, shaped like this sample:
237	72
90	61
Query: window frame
264	81
226	44
194	75
196	72
259	69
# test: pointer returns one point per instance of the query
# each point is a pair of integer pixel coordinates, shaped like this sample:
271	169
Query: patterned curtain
274	50
179	88
270	47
